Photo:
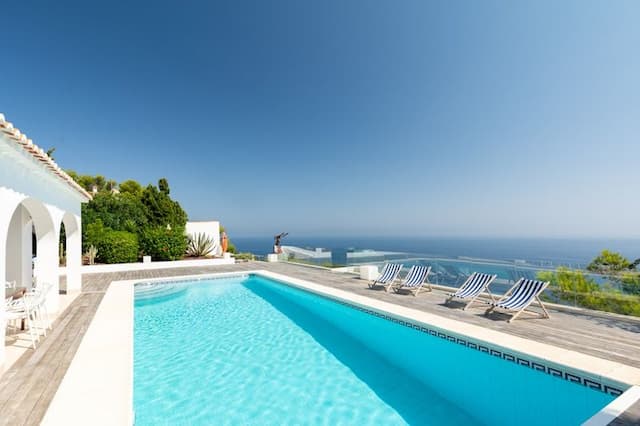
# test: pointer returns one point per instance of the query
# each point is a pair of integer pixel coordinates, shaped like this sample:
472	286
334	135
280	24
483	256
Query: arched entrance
31	246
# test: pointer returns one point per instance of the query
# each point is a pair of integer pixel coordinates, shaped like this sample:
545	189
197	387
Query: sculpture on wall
276	242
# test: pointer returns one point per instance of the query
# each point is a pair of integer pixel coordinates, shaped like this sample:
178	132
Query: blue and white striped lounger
415	279
387	277
472	288
520	296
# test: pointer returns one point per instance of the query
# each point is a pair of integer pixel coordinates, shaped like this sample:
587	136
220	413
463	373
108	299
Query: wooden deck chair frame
515	313
473	299
415	289
386	286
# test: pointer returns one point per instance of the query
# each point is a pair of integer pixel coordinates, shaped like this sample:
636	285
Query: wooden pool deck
27	388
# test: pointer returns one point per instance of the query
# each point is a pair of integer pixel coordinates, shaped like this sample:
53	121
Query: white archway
31	217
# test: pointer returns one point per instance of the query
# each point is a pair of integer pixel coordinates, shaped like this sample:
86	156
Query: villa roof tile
39	154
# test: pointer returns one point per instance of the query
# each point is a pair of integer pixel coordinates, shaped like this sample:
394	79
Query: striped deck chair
472	288
520	296
415	279
387	277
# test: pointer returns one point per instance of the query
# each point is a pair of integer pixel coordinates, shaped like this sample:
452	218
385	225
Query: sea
548	252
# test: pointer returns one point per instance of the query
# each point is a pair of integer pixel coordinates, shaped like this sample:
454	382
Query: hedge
117	247
163	244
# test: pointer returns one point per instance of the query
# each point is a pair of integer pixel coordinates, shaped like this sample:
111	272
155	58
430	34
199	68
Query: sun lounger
472	288
415	280
520	296
387	277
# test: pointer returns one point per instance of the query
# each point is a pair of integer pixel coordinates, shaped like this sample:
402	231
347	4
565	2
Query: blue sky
418	118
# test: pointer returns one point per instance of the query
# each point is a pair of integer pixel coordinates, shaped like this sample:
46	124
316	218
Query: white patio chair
18	310
38	302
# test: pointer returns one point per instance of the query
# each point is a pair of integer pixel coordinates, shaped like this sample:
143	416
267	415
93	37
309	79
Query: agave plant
200	245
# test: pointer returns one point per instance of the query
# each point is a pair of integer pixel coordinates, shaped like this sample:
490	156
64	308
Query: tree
608	263
630	283
131	187
161	210
110	185
133	217
89	183
163	186
120	212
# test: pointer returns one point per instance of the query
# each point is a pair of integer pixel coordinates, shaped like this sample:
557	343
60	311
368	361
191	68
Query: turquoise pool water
249	350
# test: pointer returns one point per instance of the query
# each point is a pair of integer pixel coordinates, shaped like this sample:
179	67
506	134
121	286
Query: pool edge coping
100	333
97	388
615	408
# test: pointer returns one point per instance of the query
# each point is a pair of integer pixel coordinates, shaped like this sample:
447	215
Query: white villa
37	198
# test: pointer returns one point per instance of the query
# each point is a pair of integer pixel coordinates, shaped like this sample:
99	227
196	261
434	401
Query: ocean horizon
558	251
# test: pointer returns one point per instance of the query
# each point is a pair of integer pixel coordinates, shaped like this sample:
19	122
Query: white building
36	199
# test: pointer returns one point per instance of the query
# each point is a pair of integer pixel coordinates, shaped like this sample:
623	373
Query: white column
74	252
13	247
26	249
8	202
48	249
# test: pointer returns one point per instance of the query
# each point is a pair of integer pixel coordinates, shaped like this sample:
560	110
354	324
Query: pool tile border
552	370
567	372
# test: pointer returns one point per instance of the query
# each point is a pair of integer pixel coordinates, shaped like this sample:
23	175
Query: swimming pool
250	350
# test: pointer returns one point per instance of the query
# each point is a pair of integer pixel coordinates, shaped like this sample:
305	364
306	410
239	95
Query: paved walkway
27	388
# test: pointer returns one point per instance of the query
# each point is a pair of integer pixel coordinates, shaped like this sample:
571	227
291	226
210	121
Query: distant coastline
571	252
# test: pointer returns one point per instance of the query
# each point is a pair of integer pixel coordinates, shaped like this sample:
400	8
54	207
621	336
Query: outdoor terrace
28	387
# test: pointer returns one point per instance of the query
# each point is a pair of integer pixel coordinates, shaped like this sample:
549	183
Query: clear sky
384	117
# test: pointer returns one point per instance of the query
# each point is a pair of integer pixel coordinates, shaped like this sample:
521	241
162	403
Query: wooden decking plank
40	406
23	366
23	400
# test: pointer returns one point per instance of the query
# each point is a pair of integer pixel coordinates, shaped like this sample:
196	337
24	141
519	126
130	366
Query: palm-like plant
200	245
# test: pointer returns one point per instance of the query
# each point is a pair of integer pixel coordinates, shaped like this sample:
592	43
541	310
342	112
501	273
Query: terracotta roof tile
39	154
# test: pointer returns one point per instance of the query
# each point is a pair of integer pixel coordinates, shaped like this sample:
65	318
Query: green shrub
580	290
245	256
120	212
631	283
163	244
117	247
93	234
567	280
610	302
